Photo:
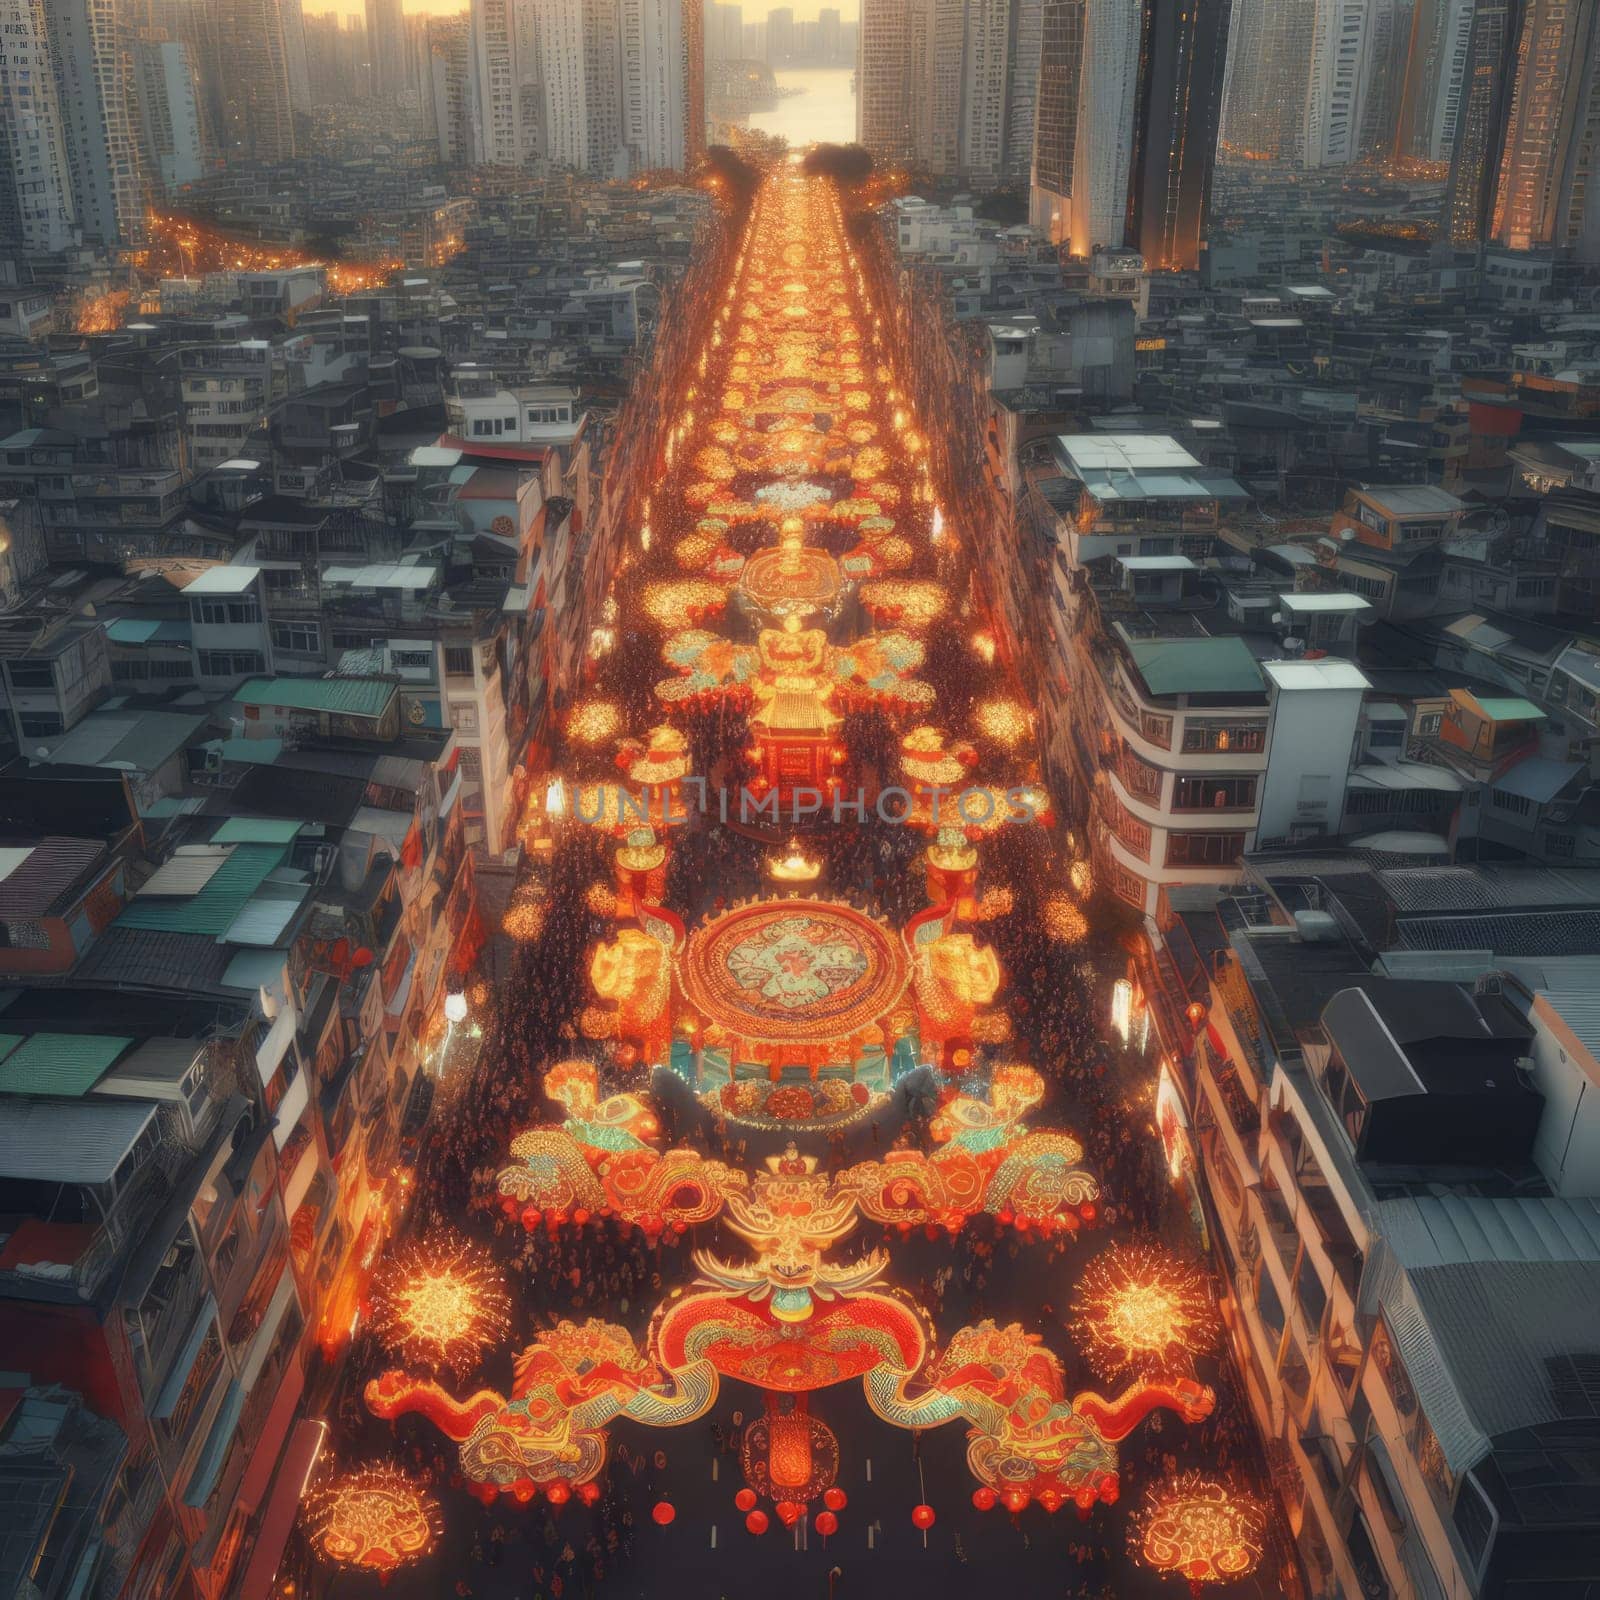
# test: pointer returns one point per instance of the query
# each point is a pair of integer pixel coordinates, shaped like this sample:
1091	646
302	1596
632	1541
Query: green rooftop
214	908
349	697
257	830
67	1065
1196	666
1511	709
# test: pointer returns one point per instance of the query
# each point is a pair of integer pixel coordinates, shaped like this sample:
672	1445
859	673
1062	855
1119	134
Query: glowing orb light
1005	721
1063	921
440	1303
376	1518
1142	1307
594	722
1200	1529
525	916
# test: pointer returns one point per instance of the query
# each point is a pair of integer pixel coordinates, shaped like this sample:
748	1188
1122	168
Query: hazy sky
804	10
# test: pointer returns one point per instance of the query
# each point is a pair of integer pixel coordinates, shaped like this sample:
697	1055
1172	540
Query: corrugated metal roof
218	903
70	1141
184	873
256	830
1486	1299
254	969
1221	665
261	922
352	697
139	740
392	826
146	958
33	886
63	1064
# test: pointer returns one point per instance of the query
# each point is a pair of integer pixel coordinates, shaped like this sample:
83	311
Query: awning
300	1180
215	1450
290	1109
299	1461
271	1051
279	1425
167	1399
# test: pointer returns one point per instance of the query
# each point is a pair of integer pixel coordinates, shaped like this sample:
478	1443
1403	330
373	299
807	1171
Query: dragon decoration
789	1316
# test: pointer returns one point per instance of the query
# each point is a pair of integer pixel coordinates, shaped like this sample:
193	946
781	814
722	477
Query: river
826	111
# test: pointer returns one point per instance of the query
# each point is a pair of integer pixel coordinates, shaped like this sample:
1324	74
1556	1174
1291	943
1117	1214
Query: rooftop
1196	666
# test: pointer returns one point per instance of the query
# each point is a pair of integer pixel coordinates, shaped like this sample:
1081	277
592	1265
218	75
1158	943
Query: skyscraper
101	151
252	65
35	183
494	85
829	32
658	40
1480	125
780	37
578	46
386	33
449	98
1269	64
1107	99
1435	80
1022	87
971	70
169	112
724	31
1182	59
1055	125
883	80
1349	40
1550	111
296	63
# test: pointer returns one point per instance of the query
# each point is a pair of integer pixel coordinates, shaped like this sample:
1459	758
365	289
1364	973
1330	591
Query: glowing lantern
555	798
745	1499
1195	1011
455	1008
756	1522
1122	1008
835	1499
662	1512
377	1518
923	1516
985	1499
1201	1529
827	1524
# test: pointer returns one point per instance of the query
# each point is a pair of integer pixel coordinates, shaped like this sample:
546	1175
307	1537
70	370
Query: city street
795	575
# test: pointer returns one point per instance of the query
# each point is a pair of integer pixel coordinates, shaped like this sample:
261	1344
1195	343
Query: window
1518	805
1218	738
303	638
31	675
1428	724
458	660
39	724
229	663
1204	849
1214	794
218	612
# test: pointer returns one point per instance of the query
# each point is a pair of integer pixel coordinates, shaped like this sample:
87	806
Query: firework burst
440	1303
1140	1307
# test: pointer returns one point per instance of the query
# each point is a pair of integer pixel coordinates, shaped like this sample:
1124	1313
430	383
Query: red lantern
756	1522
663	1512
588	1493
559	1492
1195	1011
835	1499
788	1513
984	1499
745	1499
827	1524
580	1216
1016	1500
923	1516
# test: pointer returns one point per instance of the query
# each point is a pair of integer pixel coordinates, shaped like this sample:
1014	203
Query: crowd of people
1055	1001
